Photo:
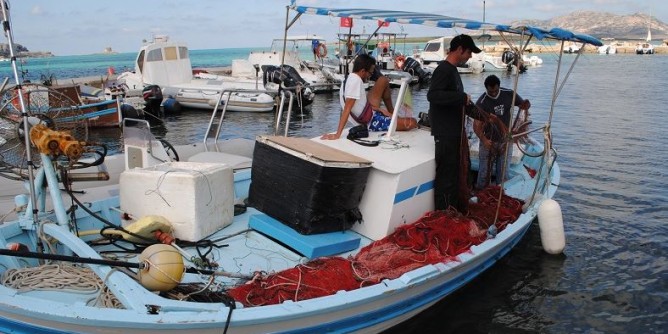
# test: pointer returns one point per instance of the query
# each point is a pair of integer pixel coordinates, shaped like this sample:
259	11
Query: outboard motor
153	98
508	57
413	67
289	79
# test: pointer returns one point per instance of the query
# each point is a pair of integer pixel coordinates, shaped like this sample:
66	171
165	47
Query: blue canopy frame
441	21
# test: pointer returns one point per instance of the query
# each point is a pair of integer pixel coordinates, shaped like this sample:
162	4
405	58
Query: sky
75	27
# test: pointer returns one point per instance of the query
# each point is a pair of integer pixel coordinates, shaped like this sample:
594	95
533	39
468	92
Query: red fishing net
320	277
438	236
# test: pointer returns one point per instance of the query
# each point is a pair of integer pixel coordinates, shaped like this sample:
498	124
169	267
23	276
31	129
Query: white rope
60	277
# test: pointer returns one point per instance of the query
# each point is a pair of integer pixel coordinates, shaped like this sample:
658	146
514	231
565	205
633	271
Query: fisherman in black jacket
447	104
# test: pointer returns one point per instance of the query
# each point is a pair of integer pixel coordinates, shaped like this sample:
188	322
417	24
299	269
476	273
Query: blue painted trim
404	195
414	191
425	187
15	327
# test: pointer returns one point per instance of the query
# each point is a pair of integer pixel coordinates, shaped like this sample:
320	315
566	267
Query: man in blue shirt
497	101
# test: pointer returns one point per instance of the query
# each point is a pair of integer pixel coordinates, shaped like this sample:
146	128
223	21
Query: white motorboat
531	60
610	46
496	64
202	268
607	49
394	64
646	48
572	48
312	72
436	50
167	64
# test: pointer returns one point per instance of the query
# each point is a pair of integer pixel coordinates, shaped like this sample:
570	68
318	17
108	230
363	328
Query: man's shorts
379	122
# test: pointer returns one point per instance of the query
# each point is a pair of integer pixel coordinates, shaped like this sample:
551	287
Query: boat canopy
441	21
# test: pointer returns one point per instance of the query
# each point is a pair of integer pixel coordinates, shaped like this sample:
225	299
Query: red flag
383	23
347	22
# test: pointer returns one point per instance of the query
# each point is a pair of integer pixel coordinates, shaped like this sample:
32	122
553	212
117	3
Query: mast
483	20
649	25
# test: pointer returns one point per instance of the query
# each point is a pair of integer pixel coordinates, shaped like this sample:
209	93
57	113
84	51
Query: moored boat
312	72
436	50
166	63
253	271
97	111
646	48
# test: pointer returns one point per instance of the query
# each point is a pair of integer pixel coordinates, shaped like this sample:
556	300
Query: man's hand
486	142
330	136
384	111
525	105
498	125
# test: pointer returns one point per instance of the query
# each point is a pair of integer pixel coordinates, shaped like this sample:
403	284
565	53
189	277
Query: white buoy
551	225
164	267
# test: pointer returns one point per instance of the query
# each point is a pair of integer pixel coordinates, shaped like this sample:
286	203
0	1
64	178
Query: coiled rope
60	277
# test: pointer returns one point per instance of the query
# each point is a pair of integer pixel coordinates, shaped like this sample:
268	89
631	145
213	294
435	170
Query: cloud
37	10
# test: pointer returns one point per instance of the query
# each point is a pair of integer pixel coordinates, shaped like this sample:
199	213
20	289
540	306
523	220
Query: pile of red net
319	277
438	236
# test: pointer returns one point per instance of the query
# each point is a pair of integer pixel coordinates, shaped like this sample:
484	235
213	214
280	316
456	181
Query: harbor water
609	129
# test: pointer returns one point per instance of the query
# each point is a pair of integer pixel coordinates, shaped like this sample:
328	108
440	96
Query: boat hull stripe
414	191
404	195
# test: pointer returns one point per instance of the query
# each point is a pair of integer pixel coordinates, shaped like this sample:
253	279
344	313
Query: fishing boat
282	235
97	111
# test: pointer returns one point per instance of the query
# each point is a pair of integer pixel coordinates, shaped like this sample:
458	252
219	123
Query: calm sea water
65	67
609	129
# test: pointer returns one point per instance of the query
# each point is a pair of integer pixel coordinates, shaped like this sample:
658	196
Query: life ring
321	50
399	61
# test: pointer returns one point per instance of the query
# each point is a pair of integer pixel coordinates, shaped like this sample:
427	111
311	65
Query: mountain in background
605	25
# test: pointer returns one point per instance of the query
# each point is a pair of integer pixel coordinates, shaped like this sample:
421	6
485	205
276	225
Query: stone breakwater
622	47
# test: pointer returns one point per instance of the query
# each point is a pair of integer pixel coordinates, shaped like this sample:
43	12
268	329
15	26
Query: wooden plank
314	149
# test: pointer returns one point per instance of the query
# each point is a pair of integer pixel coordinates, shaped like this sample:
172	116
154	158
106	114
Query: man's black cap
465	41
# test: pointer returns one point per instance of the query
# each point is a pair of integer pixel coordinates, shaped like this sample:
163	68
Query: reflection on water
609	129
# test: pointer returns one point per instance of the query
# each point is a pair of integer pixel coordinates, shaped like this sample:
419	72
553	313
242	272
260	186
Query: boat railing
216	121
279	115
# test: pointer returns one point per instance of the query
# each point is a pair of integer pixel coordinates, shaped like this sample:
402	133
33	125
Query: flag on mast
346	22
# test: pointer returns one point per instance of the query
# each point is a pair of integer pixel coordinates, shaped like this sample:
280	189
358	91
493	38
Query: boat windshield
432	47
294	45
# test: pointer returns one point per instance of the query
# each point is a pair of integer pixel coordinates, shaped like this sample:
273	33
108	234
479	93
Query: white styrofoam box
197	198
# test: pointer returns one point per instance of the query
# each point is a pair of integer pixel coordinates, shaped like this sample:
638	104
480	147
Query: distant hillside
22	51
603	25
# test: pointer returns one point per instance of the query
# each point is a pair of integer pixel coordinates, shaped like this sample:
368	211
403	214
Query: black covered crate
306	185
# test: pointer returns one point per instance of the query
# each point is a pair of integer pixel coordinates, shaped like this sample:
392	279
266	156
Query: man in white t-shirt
357	109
